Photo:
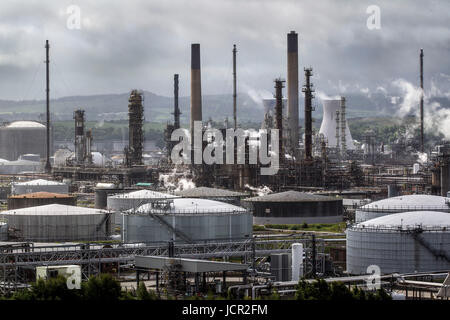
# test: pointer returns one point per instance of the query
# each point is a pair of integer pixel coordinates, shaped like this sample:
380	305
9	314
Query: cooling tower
328	127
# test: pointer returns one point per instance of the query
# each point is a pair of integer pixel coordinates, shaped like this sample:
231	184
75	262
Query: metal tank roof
54	210
192	205
41	195
409	219
39	182
207	192
415	201
291	196
143	194
25	124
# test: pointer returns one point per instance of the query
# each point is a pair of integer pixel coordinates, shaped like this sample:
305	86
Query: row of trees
105	287
102	287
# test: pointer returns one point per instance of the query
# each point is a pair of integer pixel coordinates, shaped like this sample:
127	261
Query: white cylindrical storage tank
403	242
3	230
39	185
328	126
22	137
415	202
297	261
180	218
55	222
132	200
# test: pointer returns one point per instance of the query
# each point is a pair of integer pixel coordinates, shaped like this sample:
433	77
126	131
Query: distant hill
159	108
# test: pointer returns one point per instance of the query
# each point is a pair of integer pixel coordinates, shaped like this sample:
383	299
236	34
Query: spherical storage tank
56	222
415	202
186	219
22	137
405	242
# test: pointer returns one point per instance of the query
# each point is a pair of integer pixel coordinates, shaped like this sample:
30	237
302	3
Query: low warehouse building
403	242
56	222
415	202
293	207
186	220
39	199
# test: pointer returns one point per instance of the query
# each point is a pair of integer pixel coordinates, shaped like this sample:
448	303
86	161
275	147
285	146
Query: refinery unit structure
56	223
406	203
406	242
186	220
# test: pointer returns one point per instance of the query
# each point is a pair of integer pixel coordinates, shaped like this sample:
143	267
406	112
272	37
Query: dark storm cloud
141	44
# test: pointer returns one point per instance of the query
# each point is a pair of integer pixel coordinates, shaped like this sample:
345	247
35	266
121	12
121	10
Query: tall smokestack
292	89
308	90
176	111
279	85
421	102
48	167
234	88
196	86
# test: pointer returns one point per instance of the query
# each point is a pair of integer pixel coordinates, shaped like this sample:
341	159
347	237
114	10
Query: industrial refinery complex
229	208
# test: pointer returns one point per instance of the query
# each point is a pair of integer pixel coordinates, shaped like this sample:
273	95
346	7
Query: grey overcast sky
140	44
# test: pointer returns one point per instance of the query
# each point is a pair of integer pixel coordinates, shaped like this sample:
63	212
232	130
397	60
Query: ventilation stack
292	90
136	137
279	114
196	87
421	102
308	90
48	167
234	89
176	111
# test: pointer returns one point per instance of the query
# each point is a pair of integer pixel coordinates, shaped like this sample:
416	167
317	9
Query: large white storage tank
39	185
403	242
328	127
56	222
22	137
414	202
132	200
186	218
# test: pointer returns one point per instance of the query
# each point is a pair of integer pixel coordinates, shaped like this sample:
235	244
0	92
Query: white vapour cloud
436	116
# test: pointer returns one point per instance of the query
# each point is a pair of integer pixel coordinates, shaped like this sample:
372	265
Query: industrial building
186	220
22	137
39	185
56	222
39	199
293	207
415	202
403	242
